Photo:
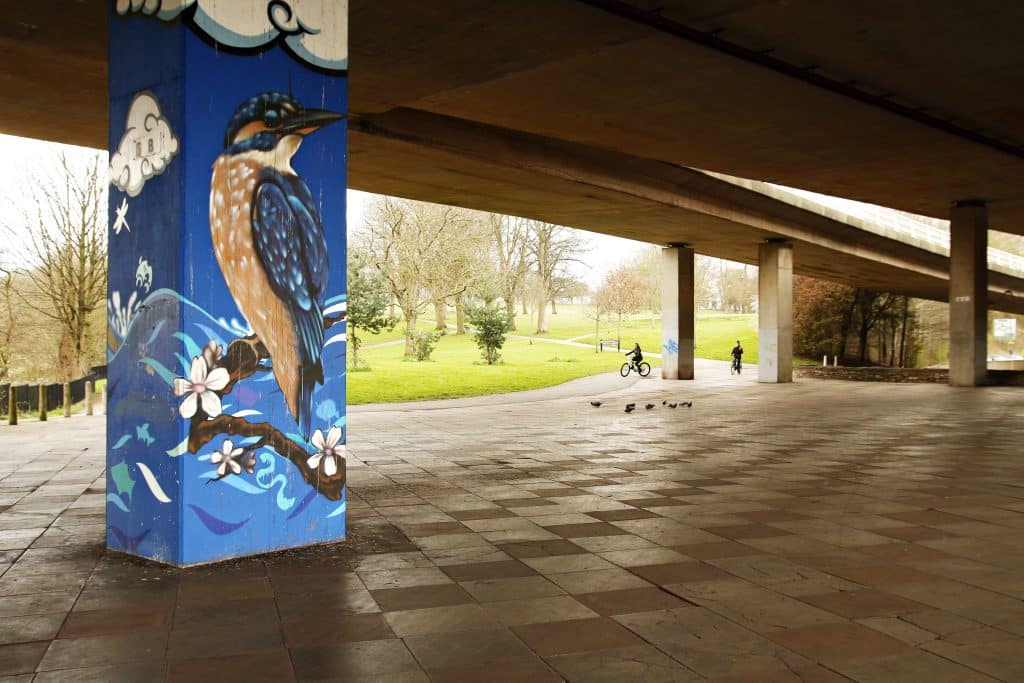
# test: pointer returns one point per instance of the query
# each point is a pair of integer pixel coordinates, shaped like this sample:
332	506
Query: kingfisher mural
226	343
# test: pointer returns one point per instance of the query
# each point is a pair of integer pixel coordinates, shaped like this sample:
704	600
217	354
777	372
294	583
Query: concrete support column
226	343
968	289
677	324
775	312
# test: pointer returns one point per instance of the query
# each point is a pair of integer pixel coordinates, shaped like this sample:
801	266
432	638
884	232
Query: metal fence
27	395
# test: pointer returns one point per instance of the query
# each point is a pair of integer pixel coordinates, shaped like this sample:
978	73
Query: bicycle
736	367
643	368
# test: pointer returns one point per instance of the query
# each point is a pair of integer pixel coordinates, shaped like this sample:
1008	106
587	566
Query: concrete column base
775	313
968	294
677	318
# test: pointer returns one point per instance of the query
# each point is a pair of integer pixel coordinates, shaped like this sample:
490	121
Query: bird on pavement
630	407
649	406
672	405
665	402
688	404
596	404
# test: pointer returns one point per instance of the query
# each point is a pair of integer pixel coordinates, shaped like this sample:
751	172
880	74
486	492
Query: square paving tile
466	649
380	659
519	588
579	635
864	603
678	572
538	610
341	628
21	658
610	603
393	599
836	642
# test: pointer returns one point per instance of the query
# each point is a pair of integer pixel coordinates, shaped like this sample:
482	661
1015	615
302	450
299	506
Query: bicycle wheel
624	370
732	368
644	369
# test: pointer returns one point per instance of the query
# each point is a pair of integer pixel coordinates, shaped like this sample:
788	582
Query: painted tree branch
242	359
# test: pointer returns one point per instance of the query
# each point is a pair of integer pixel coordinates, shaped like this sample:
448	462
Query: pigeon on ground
665	402
688	404
630	407
596	404
649	406
672	405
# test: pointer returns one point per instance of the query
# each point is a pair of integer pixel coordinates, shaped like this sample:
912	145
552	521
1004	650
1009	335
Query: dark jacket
737	351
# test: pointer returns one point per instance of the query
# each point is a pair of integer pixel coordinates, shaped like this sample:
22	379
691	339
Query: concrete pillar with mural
968	289
775	312
226	339
677	317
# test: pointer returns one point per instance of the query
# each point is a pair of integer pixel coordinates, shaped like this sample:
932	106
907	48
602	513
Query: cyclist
737	355
636	355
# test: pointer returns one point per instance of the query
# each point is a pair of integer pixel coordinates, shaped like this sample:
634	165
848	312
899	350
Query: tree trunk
526	311
554	311
510	311
353	343
440	315
903	334
618	334
460	315
542	315
410	332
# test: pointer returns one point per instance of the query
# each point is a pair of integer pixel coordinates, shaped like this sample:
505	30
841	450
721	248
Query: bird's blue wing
290	243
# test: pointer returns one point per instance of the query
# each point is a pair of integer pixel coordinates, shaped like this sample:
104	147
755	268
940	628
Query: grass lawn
454	371
716	332
393	335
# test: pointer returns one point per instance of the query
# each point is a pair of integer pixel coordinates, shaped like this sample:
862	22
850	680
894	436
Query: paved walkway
819	531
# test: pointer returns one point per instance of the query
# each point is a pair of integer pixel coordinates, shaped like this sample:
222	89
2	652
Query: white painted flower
199	389
227	458
328	450
212	354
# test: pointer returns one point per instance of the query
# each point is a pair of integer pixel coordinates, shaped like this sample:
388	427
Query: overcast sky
23	157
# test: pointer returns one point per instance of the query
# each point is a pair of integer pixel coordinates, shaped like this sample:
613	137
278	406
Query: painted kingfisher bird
269	240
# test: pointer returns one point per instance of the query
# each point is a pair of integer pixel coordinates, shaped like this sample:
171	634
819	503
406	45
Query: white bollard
835	361
824	360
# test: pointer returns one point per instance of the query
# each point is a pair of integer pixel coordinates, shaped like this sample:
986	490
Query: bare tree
458	267
7	321
410	242
510	237
622	292
63	228
552	249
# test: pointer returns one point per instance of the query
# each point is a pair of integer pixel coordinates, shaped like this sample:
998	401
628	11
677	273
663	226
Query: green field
457	371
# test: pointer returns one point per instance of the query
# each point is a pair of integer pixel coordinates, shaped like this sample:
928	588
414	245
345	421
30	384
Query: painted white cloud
315	30
147	146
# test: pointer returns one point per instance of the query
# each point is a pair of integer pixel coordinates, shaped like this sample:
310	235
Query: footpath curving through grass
457	370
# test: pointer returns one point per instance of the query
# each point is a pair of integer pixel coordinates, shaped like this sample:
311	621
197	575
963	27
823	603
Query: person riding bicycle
636	355
737	354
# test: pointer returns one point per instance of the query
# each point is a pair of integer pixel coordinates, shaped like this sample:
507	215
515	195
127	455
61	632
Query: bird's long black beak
308	121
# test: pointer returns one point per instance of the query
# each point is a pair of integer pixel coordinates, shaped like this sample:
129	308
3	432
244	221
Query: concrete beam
775	312
968	289
677	318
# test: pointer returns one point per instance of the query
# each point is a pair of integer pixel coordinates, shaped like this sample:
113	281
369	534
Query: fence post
67	400
88	398
42	403
12	406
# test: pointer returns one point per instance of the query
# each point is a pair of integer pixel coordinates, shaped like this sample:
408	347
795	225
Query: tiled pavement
821	531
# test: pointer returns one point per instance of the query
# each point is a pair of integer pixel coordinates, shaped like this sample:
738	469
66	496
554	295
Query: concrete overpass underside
592	113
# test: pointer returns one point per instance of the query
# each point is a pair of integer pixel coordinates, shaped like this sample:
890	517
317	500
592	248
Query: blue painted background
188	304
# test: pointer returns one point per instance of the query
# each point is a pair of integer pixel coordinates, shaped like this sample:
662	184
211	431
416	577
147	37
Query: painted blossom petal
211	403
218	379
333	436
222	470
236	452
339	451
314	461
235	467
181	386
227	446
197	372
330	466
188	407
217	457
318	440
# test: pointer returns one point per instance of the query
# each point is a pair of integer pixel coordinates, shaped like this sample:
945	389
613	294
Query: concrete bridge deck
817	531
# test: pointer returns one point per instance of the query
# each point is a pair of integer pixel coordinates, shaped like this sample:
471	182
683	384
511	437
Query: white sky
25	156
